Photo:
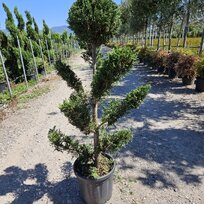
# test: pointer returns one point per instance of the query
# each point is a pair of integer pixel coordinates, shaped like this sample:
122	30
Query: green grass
192	45
18	91
34	94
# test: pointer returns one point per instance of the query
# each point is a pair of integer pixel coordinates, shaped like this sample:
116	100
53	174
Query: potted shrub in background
186	69
171	61
94	23
159	60
200	75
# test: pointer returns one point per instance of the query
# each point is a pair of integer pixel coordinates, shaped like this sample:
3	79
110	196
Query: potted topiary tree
200	75
94	22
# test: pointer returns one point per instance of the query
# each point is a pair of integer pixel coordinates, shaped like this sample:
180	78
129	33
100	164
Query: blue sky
54	12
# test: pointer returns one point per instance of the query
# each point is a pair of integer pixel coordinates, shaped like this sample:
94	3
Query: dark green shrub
199	66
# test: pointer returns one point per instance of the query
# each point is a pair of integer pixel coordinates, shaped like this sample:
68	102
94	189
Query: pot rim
102	178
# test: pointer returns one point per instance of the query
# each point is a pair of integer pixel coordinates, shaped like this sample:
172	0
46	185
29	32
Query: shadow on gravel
179	150
31	185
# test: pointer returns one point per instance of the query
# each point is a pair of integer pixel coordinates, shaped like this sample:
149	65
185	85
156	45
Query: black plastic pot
166	71
95	191
2	86
160	70
199	84
32	77
41	71
172	73
188	80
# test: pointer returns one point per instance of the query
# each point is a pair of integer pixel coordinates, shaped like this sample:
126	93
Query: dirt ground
163	164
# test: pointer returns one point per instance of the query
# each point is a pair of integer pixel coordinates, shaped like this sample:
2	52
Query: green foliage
62	142
8	13
69	76
199	66
119	108
46	29
76	109
35	26
21	23
115	141
118	63
94	22
31	32
2	78
3	40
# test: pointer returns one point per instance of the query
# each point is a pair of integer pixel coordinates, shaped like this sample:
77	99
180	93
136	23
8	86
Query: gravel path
163	164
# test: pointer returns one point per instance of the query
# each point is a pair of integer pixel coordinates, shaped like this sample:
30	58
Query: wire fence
60	51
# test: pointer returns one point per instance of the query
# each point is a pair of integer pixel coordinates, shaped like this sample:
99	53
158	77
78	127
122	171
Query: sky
54	12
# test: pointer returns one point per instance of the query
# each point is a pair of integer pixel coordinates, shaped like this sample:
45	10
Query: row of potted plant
175	64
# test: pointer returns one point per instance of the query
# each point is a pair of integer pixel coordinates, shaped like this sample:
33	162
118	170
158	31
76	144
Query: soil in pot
2	87
95	190
199	84
172	73
188	80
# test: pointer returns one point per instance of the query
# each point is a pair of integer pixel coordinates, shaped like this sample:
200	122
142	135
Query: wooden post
22	62
202	44
5	74
34	60
41	51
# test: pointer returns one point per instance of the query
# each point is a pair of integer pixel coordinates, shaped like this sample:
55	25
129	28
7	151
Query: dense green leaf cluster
115	141
200	68
110	70
117	109
69	76
21	23
94	22
76	109
62	142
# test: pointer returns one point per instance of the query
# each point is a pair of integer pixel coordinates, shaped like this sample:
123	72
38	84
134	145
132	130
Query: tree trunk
158	42
170	35
187	25
152	37
150	32
95	110
146	25
180	34
202	44
164	37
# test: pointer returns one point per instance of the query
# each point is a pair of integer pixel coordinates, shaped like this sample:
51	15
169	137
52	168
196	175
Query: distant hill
55	29
61	29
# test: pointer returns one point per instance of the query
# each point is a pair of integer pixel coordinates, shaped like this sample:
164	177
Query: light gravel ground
163	164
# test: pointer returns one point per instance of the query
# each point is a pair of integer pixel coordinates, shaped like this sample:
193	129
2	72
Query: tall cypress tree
21	23
11	53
